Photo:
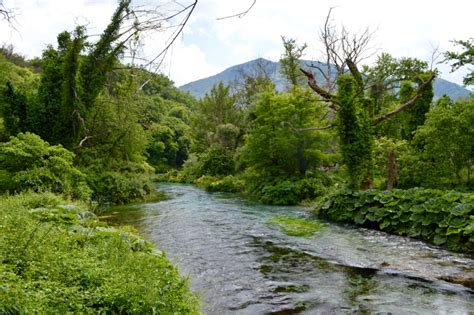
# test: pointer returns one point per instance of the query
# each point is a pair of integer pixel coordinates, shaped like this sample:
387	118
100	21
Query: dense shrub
27	162
440	217
120	183
217	161
284	190
227	184
57	258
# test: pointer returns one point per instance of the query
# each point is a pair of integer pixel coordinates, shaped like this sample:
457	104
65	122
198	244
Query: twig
239	15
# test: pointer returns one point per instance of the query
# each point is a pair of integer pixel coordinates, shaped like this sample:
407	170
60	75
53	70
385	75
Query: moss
301	227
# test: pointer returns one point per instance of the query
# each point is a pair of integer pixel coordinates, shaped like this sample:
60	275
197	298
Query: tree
290	61
464	58
275	145
446	141
354	108
339	46
14	110
217	108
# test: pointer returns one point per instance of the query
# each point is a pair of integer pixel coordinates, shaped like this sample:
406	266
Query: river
240	264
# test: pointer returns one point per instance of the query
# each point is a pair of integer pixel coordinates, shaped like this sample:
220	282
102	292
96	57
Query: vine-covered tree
354	107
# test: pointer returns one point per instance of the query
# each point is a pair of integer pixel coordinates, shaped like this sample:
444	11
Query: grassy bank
56	257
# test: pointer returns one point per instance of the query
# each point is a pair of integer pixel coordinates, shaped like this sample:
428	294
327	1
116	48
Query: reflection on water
239	264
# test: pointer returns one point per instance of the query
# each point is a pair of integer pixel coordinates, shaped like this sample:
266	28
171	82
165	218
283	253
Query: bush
227	184
27	162
284	190
216	161
440	217
120	183
58	258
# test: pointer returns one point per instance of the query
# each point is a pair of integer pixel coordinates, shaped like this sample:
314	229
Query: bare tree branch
435	55
339	46
315	87
5	13
82	142
239	15
191	8
408	104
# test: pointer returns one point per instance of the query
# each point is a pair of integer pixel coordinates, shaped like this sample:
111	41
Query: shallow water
240	264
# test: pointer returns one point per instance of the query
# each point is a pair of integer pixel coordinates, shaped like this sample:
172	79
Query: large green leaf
462	209
439	239
384	224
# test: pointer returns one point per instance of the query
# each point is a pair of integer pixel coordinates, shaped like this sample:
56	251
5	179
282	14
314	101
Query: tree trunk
392	170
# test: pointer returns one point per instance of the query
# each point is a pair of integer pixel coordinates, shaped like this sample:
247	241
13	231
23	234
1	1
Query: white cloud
404	28
187	63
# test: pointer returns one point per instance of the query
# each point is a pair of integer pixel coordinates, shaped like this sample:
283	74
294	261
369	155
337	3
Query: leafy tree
277	143
169	144
290	61
461	59
446	141
219	107
14	110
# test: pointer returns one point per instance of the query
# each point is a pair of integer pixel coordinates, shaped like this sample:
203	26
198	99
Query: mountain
235	74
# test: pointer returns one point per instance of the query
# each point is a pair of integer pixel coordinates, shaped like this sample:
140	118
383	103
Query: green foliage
301	227
416	115
14	110
405	159
58	258
285	190
217	161
355	132
466	57
229	183
160	85
99	62
439	217
122	182
170	136
27	162
217	108
21	78
290	61
446	142
277	144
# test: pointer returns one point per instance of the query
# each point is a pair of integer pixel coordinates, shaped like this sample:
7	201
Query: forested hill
271	69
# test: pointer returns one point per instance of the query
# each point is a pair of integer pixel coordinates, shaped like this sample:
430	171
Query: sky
209	45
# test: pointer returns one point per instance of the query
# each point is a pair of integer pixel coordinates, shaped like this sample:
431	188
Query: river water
240	264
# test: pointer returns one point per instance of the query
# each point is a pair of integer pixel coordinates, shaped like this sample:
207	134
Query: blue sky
208	46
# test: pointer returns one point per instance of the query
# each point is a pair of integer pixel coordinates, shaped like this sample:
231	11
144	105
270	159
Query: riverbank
443	218
57	258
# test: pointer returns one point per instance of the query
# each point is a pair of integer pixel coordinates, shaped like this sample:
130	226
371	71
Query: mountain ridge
236	73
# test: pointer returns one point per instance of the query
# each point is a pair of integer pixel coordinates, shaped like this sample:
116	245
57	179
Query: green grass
300	227
56	257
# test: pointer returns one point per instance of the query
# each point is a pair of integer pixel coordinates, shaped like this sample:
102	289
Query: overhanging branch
319	90
408	104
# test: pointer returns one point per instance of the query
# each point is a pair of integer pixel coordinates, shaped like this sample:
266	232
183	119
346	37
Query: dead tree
339	46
